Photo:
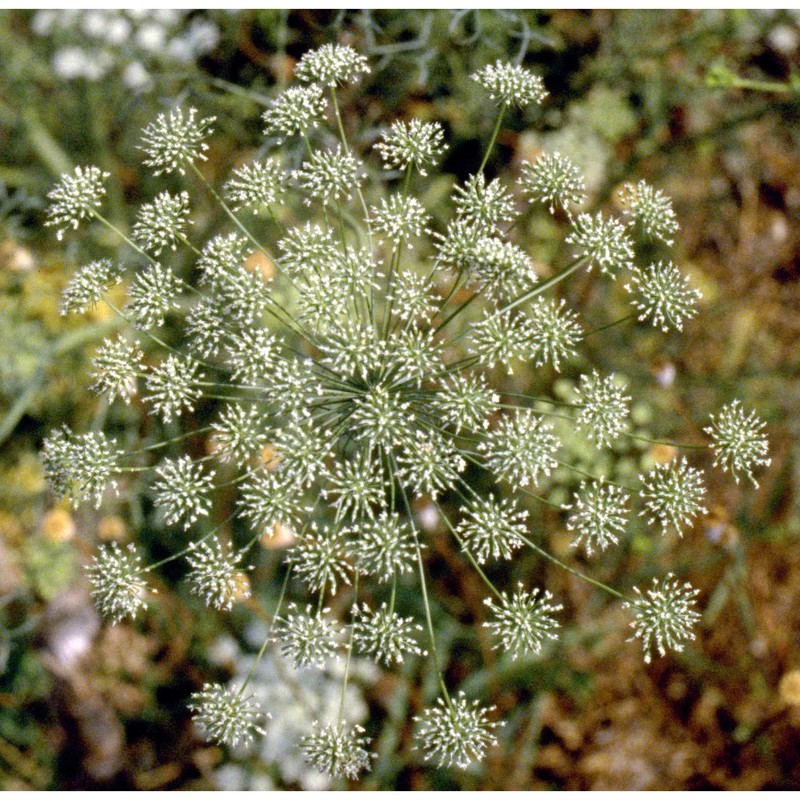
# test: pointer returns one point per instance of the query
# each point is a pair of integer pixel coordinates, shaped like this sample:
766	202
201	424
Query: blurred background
704	105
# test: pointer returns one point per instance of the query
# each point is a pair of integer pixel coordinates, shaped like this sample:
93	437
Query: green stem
609	325
576	573
545	285
495	133
424	587
670	444
268	637
349	656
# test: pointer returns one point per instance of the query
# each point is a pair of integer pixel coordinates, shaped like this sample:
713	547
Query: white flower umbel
457	732
673	495
523	621
738	441
604	408
76	197
510	84
172	386
493	529
295	112
88	285
80	466
163	223
663	616
598	515
355	396
651	209
604	243
117	366
176	140
227	716
182	490
256	186
308	638
553	180
215	574
414	144
118	589
384	635
663	295
522	448
338	750
332	64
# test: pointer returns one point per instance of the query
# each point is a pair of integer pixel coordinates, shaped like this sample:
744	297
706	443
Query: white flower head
80	466
88	285
308	638
338	750
522	448
172	386
182	490
523	621
153	294
554	332
385	635
215	574
456	732
414	144
256	186
117	366
511	84
651	209
385	549
604	243
673	495
227	716
297	111
76	197
400	219
163	223
738	441
329	176
501	269
493	529
604	408
176	140
598	515
484	206
553	180
118	588
664	616
331	64
663	295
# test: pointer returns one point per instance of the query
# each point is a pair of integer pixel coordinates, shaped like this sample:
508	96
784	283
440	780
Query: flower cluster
77	197
510	84
354	402
227	716
664	616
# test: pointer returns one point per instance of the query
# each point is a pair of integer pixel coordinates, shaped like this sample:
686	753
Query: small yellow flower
58	525
789	687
